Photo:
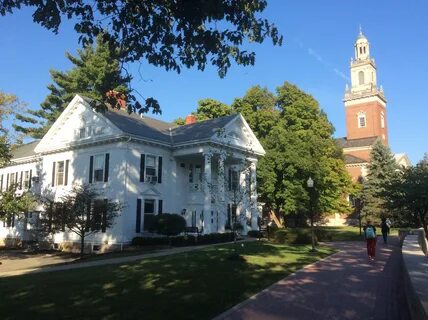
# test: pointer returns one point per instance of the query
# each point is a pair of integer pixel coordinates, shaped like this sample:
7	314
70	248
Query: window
191	173
150	165
382	121
59	175
149	217
99	168
361	77
11	179
82	133
364	49
26	179
100	215
150	168
361	121
233	180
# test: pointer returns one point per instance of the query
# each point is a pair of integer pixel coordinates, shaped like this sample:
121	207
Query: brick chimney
119	97
190	119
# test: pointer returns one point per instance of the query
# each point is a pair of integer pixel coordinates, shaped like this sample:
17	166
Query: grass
193	285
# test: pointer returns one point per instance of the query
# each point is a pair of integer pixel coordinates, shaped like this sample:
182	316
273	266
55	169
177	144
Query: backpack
370	233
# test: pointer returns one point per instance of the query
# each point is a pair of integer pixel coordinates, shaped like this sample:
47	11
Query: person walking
384	226
370	236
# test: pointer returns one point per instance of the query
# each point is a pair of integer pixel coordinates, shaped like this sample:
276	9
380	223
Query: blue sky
319	38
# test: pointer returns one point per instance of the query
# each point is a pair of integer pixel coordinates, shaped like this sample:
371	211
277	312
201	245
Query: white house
150	166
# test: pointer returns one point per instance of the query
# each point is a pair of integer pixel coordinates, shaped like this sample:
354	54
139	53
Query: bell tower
365	103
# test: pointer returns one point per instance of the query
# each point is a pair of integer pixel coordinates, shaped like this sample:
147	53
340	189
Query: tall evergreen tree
96	72
382	171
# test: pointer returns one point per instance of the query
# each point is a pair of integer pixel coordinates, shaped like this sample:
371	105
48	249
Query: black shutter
228	215
91	168
160	170
29	182
142	166
106	167
13	220
88	215
53	174
20	181
1	183
104	217
229	182
7	181
138	222
16	178
67	163
160	206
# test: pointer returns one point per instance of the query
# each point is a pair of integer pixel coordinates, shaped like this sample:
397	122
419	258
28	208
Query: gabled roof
200	130
350	159
356	143
149	128
25	150
141	126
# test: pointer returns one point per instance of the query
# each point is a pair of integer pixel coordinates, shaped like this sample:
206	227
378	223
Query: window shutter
53	174
88	215
29	182
91	168
20	181
138	222
67	163
13	220
160	170
106	167
142	166
16	178
7	181
229	182
104	217
1	183
160	206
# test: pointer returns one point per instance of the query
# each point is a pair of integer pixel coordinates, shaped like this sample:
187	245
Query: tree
208	109
299	146
96	74
14	206
382	171
83	212
407	196
167	33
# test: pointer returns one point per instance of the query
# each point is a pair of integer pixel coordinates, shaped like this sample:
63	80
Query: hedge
187	240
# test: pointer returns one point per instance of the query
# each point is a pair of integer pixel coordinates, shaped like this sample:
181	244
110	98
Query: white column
254	208
221	205
245	203
207	191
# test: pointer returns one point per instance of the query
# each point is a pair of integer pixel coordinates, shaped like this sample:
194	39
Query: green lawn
194	285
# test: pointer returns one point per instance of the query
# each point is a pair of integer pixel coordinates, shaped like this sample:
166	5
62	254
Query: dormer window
361	120
82	133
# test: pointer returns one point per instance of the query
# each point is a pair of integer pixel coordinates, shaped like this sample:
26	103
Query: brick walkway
343	286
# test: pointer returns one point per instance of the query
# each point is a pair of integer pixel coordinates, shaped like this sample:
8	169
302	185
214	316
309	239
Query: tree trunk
82	245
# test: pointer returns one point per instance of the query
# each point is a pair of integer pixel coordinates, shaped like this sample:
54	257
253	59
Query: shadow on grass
193	285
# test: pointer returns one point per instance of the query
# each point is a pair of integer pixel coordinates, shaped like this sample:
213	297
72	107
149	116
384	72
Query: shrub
170	224
280	236
215	238
150	222
255	234
271	230
323	235
237	226
303	236
150	241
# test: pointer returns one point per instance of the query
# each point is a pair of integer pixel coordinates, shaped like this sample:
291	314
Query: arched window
361	77
364	49
382	121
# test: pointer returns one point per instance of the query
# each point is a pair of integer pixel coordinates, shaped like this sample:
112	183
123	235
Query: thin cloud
321	60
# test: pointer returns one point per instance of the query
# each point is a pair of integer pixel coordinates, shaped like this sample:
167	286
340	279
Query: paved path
343	286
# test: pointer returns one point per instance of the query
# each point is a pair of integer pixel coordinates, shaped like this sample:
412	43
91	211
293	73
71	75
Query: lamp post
310	184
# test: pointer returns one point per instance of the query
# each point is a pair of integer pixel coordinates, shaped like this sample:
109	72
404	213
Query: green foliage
382	171
170	224
13	206
211	109
96	72
255	234
407	196
5	155
166	33
280	236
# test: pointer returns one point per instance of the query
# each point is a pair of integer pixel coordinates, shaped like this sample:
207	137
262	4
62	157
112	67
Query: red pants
371	247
